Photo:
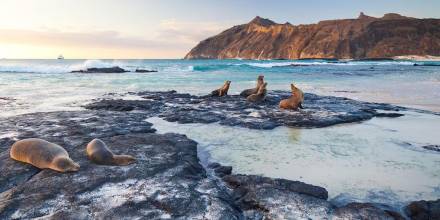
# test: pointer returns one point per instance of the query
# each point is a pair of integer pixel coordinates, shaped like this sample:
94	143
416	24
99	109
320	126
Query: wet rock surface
268	198
166	182
115	69
233	110
421	210
145	71
432	147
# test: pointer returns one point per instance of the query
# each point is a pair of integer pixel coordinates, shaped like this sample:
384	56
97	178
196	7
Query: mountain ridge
365	37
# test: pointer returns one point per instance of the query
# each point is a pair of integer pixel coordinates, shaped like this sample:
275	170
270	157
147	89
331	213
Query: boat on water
60	57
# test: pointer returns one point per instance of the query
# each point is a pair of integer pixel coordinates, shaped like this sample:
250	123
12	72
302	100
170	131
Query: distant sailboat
60	57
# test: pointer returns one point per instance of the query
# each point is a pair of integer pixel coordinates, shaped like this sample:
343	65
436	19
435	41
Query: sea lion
295	101
259	96
43	154
248	92
223	90
98	152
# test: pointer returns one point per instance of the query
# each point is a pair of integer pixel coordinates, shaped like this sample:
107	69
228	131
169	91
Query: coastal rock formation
266	198
145	71
432	147
421	210
115	69
361	38
167	181
234	110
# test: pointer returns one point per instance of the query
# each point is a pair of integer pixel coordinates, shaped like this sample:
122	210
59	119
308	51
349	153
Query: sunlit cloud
189	32
172	38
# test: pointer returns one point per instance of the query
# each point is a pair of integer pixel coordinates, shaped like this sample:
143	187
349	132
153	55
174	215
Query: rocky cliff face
364	37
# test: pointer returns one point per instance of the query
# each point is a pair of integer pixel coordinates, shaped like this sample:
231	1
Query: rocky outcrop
166	182
421	210
145	71
265	198
115	69
361	38
234	110
432	147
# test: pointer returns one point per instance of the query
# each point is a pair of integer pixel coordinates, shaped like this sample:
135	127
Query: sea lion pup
295	101
98	152
248	92
259	96
43	154
223	90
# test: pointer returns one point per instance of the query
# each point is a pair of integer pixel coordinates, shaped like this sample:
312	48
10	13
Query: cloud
171	35
94	39
189	32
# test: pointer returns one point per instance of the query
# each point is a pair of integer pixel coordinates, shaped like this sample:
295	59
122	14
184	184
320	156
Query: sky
147	29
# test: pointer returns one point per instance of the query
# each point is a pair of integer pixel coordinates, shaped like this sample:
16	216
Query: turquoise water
378	160
47	85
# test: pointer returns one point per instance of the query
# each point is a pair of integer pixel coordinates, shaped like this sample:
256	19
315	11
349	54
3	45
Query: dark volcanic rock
167	180
365	211
421	210
234	110
266	198
362	38
145	71
115	69
253	181
220	170
432	147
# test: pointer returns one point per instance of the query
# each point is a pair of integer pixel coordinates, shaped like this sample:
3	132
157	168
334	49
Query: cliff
361	38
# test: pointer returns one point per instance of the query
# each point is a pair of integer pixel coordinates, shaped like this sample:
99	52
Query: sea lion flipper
123	160
300	106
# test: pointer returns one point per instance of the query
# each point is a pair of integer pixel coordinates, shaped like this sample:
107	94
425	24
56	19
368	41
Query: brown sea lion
98	152
295	101
260	95
223	90
248	92
43	154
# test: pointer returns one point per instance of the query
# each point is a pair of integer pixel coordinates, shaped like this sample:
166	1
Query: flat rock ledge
233	110
166	182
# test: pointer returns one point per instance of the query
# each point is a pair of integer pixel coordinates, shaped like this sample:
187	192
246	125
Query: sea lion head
261	77
65	164
228	82
293	88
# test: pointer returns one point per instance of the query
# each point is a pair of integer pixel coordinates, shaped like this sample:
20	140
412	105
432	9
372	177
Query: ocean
379	160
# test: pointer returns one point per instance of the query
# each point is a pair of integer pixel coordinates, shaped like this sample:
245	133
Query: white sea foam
58	66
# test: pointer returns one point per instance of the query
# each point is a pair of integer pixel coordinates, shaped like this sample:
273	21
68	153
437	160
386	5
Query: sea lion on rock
295	101
260	96
223	90
248	92
98	152
43	154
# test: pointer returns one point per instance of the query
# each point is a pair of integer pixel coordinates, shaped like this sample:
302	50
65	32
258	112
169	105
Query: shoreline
123	187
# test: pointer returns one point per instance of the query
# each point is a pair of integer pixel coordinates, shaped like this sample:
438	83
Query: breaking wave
54	66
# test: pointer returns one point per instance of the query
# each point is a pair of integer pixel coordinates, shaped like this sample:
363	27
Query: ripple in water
376	161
